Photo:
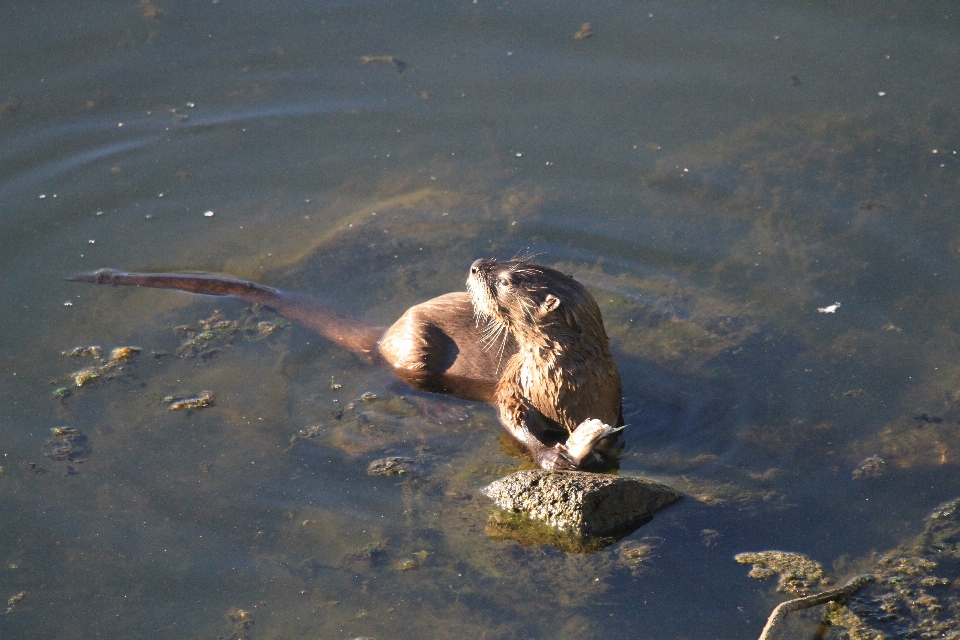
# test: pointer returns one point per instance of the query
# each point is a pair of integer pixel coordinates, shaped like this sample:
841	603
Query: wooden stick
798	604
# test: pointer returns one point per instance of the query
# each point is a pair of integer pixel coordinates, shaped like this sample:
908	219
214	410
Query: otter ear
550	303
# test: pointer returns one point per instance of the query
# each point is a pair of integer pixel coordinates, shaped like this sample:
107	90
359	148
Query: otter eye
503	281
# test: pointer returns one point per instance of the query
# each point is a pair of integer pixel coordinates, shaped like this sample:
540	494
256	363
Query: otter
526	338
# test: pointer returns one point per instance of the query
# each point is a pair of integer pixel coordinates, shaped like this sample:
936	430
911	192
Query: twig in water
798	604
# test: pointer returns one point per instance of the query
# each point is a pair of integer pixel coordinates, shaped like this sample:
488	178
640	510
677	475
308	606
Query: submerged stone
581	503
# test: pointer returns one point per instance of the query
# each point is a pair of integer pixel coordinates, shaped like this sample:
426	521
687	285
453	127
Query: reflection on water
714	175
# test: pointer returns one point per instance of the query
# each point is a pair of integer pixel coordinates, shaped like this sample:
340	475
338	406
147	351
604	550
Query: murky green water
714	173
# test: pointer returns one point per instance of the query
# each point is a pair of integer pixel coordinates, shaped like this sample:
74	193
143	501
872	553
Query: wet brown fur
562	372
533	346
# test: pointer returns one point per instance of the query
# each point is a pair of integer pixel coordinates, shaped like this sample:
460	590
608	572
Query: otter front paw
554	458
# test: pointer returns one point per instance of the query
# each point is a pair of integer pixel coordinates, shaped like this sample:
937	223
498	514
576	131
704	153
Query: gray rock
580	503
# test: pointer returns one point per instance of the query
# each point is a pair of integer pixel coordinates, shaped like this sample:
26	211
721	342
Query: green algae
915	589
799	575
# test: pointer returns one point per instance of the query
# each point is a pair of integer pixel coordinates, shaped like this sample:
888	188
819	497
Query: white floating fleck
92	241
519	155
42	196
68	304
881	93
191	105
831	309
208	214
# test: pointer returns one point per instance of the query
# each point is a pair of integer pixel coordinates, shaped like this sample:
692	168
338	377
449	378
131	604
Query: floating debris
415	561
872	467
833	595
33	467
239	622
395	61
83	376
306	433
635	555
199	401
264	328
586	31
854	393
798	573
14	601
393	466
66	445
118	357
369	396
373	553
831	309
709	537
122	354
913	594
209	337
79	352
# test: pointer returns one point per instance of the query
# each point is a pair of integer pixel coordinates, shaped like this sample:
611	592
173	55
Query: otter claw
554	459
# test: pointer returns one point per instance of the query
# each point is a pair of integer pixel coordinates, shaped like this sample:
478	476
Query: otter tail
346	331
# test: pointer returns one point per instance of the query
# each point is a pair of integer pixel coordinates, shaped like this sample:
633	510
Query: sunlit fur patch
528	287
494	327
562	369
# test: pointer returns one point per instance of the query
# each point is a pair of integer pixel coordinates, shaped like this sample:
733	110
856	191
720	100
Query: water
713	173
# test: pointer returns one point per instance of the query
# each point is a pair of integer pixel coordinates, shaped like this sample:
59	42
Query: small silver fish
581	442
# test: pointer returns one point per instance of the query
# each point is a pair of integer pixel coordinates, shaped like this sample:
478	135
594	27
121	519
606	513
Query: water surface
714	173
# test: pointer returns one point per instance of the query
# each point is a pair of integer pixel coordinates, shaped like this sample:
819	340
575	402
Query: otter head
529	300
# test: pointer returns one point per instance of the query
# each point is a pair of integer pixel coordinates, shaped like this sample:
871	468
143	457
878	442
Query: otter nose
475	267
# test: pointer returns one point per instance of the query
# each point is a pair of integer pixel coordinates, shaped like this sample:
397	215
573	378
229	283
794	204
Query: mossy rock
581	503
